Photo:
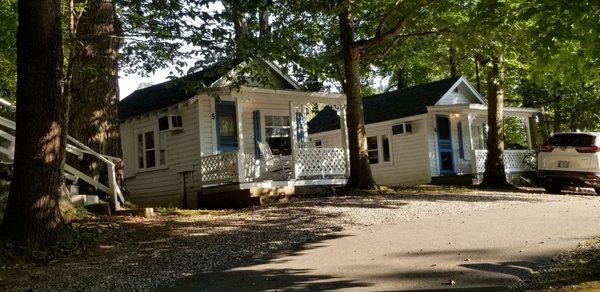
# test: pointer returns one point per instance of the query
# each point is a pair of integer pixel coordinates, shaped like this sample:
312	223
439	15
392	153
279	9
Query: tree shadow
262	280
149	253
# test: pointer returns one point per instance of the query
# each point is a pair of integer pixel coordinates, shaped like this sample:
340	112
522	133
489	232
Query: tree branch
385	17
366	45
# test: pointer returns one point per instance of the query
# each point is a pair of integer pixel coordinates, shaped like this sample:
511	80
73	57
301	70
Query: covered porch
460	135
268	144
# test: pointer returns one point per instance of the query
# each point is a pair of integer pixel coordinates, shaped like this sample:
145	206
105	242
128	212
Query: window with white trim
277	134
318	143
403	128
373	151
152	149
379	149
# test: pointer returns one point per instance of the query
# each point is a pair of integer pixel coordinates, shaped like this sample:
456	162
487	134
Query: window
373	150
379	149
403	128
277	134
318	143
170	123
148	153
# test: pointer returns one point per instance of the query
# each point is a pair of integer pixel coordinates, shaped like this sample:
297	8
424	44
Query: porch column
344	129
528	132
470	118
241	158
293	137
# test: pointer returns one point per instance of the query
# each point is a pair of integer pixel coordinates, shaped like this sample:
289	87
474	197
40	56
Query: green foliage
8	50
515	133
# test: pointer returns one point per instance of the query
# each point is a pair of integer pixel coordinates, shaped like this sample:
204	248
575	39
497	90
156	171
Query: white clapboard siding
163	185
408	165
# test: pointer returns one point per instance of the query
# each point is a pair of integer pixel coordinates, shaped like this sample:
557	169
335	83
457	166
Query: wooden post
241	159
293	137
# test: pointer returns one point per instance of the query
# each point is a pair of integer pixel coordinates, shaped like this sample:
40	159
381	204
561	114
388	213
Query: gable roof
183	88
410	101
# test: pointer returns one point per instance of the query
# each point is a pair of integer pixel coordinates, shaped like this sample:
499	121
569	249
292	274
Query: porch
242	122
460	135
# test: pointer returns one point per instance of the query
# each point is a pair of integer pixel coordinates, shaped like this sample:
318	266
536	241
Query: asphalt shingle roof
171	92
391	105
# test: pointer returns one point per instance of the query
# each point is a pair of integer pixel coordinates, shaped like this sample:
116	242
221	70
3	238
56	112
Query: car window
571	140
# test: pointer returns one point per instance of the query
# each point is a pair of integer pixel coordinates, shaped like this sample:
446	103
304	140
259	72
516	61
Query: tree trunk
94	84
240	26
360	169
401	78
33	216
477	79
452	61
495	174
263	21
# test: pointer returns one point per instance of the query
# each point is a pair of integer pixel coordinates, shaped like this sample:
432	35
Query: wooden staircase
72	175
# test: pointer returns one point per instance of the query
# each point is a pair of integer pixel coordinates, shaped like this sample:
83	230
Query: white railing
514	160
219	168
74	147
321	162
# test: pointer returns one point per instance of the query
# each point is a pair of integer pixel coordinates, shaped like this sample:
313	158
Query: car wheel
598	191
552	188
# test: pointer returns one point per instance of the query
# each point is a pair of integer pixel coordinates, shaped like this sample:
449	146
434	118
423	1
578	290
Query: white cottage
428	131
181	145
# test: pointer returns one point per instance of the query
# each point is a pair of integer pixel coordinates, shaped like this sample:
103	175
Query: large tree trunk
360	169
495	174
33	217
94	83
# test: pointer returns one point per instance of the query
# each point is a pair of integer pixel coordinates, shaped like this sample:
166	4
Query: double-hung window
152	149
379	149
277	134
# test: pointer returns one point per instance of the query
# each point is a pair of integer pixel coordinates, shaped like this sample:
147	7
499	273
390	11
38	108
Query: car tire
597	191
552	188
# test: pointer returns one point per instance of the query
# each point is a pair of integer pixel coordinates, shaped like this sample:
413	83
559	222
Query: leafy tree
8	32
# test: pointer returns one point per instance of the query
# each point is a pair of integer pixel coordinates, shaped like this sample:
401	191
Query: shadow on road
262	280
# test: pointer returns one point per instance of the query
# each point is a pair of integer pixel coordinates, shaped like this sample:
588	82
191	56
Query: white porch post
294	137
528	132
241	159
343	127
470	118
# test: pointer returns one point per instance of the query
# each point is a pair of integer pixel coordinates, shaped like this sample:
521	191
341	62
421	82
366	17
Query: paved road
501	245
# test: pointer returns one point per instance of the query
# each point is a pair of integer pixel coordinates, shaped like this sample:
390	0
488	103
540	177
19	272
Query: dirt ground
144	254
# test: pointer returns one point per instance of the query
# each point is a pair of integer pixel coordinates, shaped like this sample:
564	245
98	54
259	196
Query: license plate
563	164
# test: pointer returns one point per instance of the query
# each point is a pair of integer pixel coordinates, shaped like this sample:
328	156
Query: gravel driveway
154	252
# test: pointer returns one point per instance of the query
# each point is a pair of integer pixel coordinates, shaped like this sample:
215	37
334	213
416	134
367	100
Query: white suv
570	159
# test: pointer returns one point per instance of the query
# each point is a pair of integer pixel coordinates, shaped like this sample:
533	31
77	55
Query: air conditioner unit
170	123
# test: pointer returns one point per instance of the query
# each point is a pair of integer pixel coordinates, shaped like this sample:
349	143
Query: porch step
453	180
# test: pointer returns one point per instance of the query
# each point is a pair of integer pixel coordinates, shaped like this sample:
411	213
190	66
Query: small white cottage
181	144
427	131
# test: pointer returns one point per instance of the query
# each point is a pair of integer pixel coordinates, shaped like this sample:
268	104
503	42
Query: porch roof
410	101
475	108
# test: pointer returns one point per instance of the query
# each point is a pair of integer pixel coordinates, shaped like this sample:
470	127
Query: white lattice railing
319	162
514	160
219	168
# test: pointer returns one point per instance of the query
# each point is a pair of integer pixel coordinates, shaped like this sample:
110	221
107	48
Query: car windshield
571	140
